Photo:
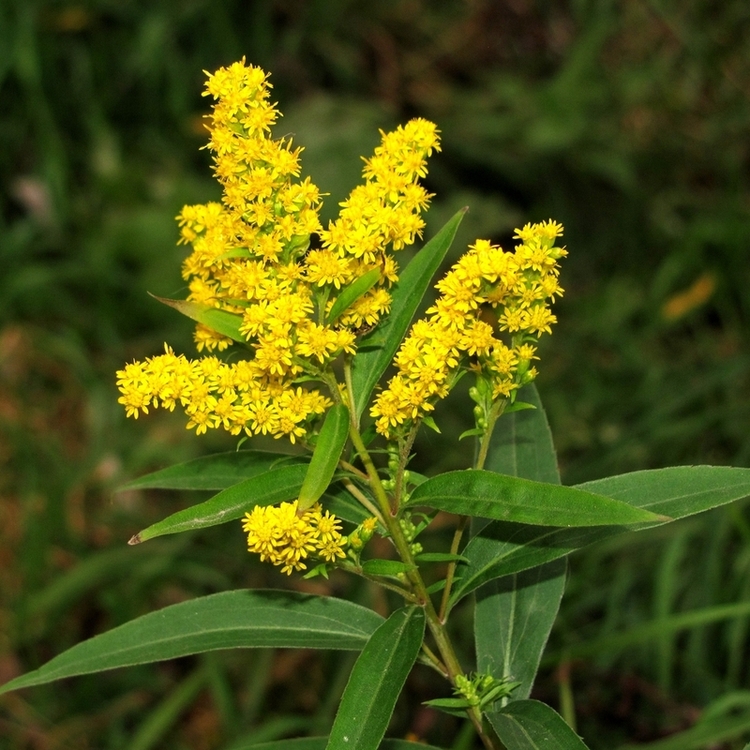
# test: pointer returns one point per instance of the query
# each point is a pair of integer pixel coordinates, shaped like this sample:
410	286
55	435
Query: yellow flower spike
518	286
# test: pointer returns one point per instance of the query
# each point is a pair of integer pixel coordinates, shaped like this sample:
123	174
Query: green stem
439	633
494	414
363	499
452	568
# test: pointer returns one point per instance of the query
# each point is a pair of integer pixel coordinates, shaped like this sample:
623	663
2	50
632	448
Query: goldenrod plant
296	325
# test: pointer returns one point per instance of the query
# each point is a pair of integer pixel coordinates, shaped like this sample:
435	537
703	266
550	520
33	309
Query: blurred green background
628	121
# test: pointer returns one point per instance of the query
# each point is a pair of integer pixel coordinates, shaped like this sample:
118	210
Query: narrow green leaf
376	681
678	491
440	557
450	706
531	725
471	433
350	294
233	619
215	472
275	486
326	455
514	615
385	567
376	350
518	406
504	548
505	498
223	322
522	443
512	622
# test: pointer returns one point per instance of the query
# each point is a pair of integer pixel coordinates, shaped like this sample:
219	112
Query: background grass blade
162	718
320	743
277	485
531	725
514	615
376	350
215	472
233	619
505	498
651	630
711	733
376	681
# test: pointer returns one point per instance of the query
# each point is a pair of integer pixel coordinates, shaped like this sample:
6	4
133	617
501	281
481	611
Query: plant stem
452	568
389	512
363	499
495	411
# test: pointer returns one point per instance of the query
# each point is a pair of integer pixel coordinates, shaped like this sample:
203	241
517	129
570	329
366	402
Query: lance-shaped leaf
271	487
223	322
514	615
326	455
350	294
531	725
497	496
522	444
233	619
376	350
214	472
680	491
376	681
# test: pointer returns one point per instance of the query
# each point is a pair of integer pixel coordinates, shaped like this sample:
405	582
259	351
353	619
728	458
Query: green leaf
275	486
223	322
376	349
531	725
376	681
504	548
215	472
481	493
326	455
450	706
512	622
350	294
320	743
522	443
514	615
385	567
440	557
518	406
678	491
233	619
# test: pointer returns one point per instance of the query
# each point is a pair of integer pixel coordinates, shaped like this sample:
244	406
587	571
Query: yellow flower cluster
252	258
285	537
460	332
215	394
